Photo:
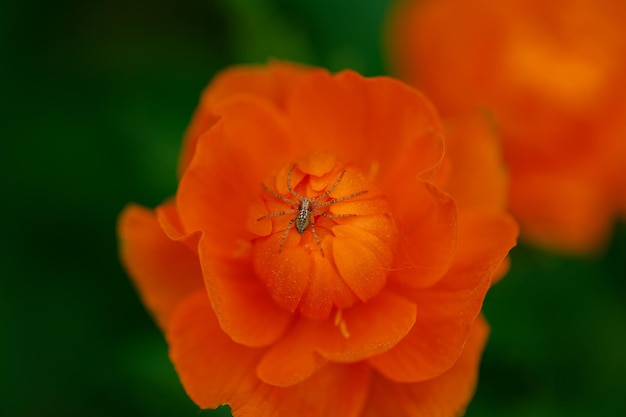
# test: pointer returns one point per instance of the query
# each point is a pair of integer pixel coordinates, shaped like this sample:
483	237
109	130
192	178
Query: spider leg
291	190
334	216
280	197
331	188
340	199
280	213
317	238
284	237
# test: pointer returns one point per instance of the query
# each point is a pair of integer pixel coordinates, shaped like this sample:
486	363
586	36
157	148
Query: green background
95	99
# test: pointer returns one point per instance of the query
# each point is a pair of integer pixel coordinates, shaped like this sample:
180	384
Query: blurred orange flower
313	261
552	74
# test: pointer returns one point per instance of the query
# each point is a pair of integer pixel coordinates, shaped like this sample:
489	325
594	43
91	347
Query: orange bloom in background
552	74
323	256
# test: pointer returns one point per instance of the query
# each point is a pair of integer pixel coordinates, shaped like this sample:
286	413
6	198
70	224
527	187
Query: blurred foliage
96	97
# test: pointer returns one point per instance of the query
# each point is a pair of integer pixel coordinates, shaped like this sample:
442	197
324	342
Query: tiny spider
306	208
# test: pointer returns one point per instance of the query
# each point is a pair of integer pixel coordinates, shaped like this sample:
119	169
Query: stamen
341	324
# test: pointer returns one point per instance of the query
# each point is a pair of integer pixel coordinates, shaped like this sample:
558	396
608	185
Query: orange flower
552	75
313	262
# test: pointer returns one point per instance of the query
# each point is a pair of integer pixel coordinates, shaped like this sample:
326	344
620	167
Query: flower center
325	236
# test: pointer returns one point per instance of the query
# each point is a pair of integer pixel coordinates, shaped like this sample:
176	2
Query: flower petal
285	274
368	328
427	225
364	253
359	332
436	340
336	390
477	178
447	310
444	396
213	369
358	265
484	239
326	290
359	119
168	218
327	114
164	271
403	132
292	360
270	83
243	307
225	175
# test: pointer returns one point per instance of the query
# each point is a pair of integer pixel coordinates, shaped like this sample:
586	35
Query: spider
306	208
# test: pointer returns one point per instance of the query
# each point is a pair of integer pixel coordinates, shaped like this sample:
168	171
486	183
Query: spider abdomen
303	219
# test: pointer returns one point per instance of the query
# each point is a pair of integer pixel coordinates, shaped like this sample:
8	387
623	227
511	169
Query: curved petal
357	333
269	82
225	176
444	396
484	241
164	271
403	132
368	328
357	264
477	178
285	274
292	359
436	341
427	225
326	290
213	369
168	218
245	310
379	123
203	119
447	310
336	390
327	114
